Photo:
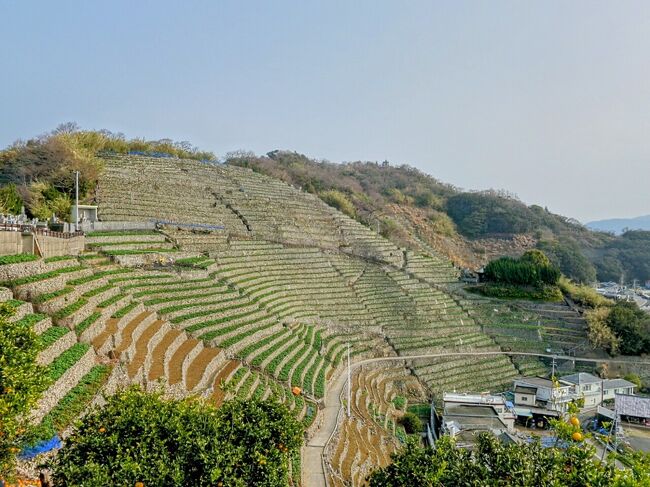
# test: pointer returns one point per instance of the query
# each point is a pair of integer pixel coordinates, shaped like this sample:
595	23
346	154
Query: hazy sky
547	99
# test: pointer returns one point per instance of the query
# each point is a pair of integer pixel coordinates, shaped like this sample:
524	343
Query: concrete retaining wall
114	226
19	243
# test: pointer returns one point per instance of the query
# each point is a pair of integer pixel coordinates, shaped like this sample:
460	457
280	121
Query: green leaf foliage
493	463
22	382
17	258
532	269
140	437
411	423
632	326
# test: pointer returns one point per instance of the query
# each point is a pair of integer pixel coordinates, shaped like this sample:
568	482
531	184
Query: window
586	387
524	398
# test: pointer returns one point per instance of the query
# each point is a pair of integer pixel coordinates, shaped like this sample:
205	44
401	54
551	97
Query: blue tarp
549	441
42	447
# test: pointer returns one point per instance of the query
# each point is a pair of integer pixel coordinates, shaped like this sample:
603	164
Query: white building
466	415
539	392
611	387
554	397
587	386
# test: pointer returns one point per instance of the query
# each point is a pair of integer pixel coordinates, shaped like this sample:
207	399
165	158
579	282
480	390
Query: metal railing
25	228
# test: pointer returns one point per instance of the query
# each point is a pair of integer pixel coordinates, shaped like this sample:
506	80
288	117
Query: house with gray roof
611	387
596	390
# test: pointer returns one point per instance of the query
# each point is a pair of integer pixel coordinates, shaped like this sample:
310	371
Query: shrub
22	382
399	402
600	334
139	437
492	462
583	295
632	326
412	424
508	291
532	269
340	201
567	255
10	201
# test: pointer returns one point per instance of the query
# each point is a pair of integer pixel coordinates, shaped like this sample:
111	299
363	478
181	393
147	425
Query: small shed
87	213
525	396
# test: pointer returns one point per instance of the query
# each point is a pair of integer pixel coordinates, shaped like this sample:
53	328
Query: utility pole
76	201
349	381
553	367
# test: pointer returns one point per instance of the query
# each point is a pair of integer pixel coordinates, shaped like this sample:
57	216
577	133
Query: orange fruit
577	436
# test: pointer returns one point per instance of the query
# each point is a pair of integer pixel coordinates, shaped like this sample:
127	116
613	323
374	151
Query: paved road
312	465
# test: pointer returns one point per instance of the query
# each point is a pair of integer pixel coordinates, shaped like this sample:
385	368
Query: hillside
415	210
238	285
619	225
219	281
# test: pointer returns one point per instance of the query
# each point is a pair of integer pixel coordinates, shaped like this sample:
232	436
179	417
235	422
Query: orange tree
493	463
141	437
22	382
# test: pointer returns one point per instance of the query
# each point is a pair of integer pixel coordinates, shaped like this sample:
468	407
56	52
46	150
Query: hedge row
111	300
31	319
174	288
237	338
71	405
70	309
125	310
66	360
58	258
224	319
97	275
51	335
81	327
41	298
17	258
136	252
40	277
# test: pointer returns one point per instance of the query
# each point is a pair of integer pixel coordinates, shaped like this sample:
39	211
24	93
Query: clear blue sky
547	99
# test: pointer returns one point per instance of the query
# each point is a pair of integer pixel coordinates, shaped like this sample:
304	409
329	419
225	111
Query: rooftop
537	381
525	390
582	378
470	411
617	383
487	399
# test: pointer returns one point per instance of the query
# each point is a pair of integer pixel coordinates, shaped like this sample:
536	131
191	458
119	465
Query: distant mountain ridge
617	225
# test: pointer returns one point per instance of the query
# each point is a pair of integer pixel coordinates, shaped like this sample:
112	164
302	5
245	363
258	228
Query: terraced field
367	438
528	326
249	288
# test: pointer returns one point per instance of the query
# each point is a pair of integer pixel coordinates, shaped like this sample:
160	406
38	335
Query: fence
23	228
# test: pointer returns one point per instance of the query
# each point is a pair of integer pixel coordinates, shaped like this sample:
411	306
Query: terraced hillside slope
248	287
246	204
300	260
